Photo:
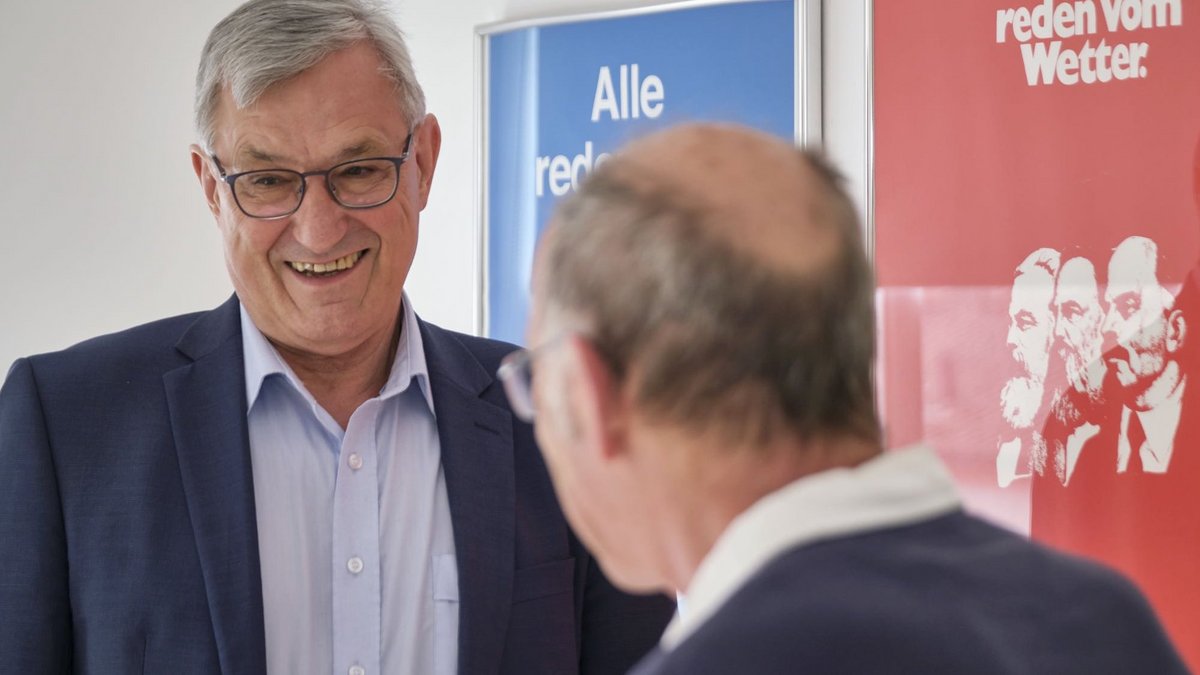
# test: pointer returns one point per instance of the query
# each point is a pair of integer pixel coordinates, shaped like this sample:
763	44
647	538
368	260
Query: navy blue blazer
128	539
950	595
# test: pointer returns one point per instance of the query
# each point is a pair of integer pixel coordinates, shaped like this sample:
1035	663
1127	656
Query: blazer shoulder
487	351
147	347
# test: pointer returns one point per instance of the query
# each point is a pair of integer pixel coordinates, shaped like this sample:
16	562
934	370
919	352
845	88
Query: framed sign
559	95
1036	245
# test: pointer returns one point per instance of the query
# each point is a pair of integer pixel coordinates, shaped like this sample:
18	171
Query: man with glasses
308	478
703	325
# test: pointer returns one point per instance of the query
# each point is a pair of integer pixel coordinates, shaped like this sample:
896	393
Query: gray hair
719	338
265	42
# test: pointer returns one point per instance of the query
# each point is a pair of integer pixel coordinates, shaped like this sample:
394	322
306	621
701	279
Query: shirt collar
409	363
897	488
261	360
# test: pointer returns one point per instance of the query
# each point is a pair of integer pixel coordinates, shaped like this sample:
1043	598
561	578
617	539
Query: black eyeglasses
277	193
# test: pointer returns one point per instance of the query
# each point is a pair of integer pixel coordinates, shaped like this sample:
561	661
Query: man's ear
428	139
596	400
1176	330
208	181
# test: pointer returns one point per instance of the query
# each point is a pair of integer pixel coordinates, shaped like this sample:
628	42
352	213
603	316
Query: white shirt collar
896	488
261	360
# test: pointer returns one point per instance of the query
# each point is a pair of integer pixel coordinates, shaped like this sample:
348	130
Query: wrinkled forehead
341	102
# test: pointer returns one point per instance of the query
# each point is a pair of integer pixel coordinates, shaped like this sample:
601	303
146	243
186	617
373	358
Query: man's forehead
1080	293
262	150
1134	263
1033	303
341	107
1076	284
1124	286
1034	288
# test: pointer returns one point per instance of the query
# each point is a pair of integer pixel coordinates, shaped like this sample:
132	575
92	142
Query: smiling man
308	478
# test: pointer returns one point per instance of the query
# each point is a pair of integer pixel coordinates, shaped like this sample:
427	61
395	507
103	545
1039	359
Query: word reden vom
1049	33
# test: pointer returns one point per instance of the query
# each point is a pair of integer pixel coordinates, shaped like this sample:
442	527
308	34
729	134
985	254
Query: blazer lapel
477	458
207	403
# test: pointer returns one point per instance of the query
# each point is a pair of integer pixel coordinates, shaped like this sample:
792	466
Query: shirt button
355	565
355	461
358	670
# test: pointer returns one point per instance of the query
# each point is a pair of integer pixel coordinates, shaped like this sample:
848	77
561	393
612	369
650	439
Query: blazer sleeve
34	600
618	629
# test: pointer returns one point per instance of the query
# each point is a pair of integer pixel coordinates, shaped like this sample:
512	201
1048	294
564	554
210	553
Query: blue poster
561	96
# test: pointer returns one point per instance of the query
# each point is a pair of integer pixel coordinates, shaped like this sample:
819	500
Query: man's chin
637	582
329	337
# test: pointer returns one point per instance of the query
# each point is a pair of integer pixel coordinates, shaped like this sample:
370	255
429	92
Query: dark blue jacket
950	595
128	539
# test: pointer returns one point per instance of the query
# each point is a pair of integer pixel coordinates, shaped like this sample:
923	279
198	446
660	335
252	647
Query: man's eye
1025	321
357	171
270	180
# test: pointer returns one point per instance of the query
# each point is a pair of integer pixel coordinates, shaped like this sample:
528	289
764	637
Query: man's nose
1060	328
320	222
1108	327
1108	333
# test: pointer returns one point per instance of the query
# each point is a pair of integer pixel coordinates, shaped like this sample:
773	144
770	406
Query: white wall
102	221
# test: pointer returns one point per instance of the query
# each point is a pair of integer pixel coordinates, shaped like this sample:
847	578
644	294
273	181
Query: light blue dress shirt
354	532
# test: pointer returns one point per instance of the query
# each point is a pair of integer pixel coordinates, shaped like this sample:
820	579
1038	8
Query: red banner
1036	236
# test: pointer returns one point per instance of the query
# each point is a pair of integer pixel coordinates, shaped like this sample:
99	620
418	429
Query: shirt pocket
445	614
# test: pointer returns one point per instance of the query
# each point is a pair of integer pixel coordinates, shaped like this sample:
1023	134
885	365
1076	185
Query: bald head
720	273
760	195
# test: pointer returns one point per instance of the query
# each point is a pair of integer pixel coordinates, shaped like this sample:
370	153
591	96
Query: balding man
703	337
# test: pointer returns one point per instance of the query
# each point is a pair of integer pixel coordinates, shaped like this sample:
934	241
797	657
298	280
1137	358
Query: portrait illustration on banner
1036	244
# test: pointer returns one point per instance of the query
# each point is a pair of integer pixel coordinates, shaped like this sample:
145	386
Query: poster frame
807	101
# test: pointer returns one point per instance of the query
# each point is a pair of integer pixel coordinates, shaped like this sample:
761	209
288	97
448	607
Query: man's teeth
343	263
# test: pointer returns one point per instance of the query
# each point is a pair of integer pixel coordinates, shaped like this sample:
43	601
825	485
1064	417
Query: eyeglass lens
517	376
274	192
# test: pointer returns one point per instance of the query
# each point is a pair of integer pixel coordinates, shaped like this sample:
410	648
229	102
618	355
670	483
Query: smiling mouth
327	269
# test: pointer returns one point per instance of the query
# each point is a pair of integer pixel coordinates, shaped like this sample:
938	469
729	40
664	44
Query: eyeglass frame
230	179
516	375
